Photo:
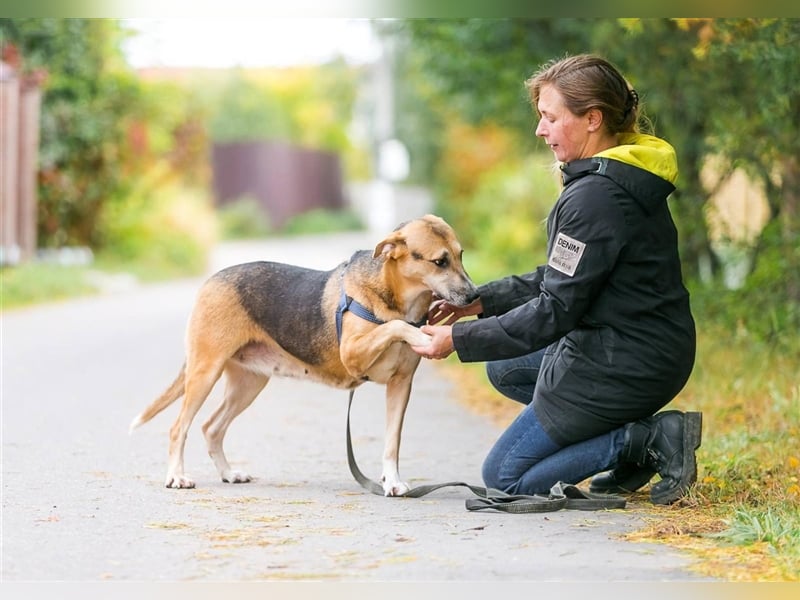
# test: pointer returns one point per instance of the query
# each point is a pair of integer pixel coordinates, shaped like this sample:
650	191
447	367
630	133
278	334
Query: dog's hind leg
199	382
242	387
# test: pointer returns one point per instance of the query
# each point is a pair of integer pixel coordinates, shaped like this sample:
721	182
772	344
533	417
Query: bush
777	318
506	218
322	221
243	219
158	232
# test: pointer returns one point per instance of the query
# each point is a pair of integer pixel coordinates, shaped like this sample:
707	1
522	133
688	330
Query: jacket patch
566	254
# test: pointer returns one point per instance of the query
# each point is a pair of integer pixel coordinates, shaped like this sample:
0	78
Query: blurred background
143	141
134	146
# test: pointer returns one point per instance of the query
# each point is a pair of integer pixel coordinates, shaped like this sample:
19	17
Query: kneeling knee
492	479
493	374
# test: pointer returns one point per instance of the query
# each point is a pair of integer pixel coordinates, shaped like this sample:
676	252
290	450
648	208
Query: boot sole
692	438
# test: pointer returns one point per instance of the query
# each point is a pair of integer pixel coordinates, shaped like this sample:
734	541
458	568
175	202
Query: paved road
84	501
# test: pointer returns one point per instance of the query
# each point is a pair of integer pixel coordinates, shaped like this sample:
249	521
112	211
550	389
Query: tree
756	125
88	104
759	109
477	67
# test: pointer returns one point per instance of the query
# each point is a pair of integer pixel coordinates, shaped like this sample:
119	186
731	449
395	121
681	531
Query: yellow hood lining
645	152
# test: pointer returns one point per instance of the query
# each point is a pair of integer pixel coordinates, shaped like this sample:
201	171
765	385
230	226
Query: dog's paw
232	476
394	488
182	482
420	339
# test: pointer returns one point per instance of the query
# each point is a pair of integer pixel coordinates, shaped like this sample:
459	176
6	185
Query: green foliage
308	106
243	219
478	66
152	234
322	221
678	93
506	217
87	102
322	100
765	54
248	112
158	231
101	128
762	311
170	129
779	528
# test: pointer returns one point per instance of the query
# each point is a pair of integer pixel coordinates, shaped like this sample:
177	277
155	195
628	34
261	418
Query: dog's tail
172	393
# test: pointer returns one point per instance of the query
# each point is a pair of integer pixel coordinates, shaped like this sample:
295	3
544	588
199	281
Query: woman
601	337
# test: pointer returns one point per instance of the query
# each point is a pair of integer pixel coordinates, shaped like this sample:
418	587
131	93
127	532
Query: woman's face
567	134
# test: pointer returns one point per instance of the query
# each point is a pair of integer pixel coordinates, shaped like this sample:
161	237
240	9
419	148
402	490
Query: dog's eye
440	262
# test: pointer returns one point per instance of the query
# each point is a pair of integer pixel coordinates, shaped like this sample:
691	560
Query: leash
561	495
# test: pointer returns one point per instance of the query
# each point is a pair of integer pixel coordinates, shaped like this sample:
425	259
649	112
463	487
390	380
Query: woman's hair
587	81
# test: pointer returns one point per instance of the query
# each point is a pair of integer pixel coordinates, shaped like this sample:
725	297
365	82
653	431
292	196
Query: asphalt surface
85	501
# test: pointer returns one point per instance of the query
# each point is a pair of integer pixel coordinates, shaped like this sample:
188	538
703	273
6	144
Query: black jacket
610	304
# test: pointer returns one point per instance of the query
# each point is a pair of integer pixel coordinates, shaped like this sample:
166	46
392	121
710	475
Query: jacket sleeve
586	215
498	297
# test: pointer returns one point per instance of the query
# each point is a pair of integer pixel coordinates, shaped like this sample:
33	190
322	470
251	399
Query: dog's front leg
359	353
398	391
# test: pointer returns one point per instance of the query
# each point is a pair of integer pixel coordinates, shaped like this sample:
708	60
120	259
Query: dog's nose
464	296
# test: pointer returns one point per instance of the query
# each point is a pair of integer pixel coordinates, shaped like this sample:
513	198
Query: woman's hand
441	316
441	345
442	310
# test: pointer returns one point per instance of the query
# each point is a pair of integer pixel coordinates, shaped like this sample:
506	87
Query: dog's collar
346	303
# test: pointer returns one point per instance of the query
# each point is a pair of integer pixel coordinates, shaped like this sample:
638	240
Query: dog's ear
393	247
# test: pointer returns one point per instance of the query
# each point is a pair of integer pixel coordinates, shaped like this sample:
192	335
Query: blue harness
346	303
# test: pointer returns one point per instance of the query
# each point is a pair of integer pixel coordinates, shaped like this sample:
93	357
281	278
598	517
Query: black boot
666	443
625	479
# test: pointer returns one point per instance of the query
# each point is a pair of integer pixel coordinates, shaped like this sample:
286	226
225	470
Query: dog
341	327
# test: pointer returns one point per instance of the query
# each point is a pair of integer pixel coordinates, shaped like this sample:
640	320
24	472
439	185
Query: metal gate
285	179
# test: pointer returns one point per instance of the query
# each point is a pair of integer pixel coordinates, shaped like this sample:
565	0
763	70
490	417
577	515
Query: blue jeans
525	460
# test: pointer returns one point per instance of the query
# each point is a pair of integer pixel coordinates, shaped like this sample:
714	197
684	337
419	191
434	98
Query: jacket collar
647	188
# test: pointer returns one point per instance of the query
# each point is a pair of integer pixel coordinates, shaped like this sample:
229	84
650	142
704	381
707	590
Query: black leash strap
488	498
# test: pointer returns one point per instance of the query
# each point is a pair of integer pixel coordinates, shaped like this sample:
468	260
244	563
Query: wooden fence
20	102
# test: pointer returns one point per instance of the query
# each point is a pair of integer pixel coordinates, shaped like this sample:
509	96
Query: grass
34	283
742	518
